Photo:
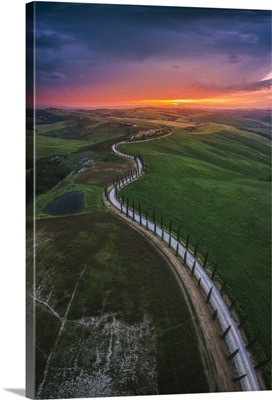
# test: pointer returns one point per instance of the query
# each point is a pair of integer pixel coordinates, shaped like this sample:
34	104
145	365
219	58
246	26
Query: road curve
233	338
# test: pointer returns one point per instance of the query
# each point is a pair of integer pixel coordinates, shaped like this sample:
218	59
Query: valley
211	178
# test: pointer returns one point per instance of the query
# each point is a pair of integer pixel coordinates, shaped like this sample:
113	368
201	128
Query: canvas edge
30	263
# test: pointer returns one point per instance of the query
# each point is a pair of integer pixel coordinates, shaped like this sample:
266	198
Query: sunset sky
103	55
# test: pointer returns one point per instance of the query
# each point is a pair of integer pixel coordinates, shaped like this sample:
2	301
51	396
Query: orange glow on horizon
240	99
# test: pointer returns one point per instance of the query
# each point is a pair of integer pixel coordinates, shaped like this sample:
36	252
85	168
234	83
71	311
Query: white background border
12	157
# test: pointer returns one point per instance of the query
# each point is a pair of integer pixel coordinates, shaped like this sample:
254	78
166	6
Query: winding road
243	364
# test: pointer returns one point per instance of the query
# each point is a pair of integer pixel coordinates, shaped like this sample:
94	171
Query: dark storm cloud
255	86
72	35
118	28
233	58
242	87
245	39
53	41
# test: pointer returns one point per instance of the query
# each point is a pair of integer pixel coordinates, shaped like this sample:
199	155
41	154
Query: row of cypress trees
117	184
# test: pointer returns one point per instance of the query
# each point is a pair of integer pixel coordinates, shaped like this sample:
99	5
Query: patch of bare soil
219	370
102	173
100	357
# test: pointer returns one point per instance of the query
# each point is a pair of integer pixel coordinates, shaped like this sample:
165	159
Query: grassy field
90	180
47	146
212	179
210	184
114	329
67	142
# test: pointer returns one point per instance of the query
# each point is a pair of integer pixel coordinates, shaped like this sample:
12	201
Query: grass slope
212	178
47	146
209	184
90	180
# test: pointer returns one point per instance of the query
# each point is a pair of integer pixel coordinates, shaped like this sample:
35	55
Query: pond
68	203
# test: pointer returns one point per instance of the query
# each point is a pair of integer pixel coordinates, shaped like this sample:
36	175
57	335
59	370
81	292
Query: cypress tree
214	315
154	216
214	270
161	221
133	210
193	268
239	378
232	355
187	241
177	248
206	258
127	208
262	364
121	208
170	229
155	228
223	286
185	257
178	235
251	342
242	323
146	222
226	332
232	304
199	282
140	214
209	295
196	246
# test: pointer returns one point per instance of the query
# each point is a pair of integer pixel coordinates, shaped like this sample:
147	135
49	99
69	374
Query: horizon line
99	107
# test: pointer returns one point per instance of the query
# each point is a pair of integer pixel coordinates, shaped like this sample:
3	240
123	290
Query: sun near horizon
254	95
145	55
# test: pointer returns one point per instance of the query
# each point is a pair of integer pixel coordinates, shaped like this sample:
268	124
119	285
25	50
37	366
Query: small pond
68	203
